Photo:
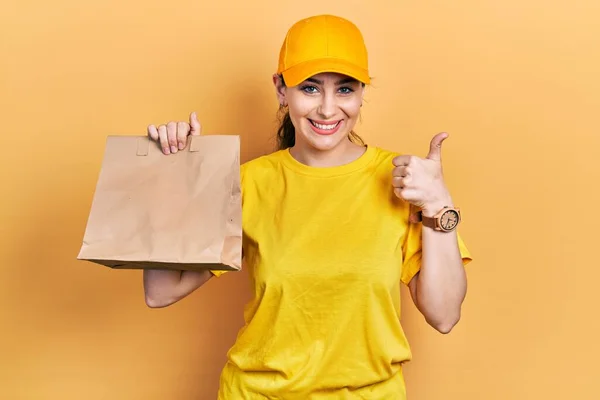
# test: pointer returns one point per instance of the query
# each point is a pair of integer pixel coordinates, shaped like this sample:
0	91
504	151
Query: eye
309	89
346	90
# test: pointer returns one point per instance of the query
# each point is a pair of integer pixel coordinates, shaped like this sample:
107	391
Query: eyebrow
342	81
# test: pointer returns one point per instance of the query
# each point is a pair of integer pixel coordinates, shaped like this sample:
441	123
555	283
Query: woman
331	229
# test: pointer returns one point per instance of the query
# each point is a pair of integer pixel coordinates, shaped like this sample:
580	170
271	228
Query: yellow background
515	83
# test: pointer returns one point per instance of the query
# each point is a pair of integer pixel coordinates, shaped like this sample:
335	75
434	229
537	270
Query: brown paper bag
180	211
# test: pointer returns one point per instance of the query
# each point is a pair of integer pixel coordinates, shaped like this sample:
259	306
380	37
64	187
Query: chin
325	144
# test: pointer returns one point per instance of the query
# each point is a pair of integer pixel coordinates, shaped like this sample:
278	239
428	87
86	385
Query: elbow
445	324
445	328
154	301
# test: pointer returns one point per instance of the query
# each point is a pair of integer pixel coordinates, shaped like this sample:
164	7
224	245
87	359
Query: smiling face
324	109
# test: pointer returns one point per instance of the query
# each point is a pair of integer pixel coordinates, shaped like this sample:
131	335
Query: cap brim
301	72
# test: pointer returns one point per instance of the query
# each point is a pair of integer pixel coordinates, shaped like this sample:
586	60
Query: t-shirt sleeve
412	252
217	273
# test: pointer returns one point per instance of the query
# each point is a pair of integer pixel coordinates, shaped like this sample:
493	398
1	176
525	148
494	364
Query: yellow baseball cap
323	43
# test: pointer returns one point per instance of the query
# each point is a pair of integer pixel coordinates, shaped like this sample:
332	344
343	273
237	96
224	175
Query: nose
327	107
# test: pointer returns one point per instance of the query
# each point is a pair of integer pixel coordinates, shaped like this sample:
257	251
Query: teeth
325	127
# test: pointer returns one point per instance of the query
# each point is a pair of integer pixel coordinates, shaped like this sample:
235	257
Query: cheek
352	107
300	106
297	115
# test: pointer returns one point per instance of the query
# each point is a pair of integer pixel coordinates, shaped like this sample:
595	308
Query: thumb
435	147
195	125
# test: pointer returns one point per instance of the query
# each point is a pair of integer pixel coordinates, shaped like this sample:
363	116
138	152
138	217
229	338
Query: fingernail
173	149
181	145
166	150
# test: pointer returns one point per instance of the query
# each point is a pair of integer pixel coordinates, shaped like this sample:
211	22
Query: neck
344	153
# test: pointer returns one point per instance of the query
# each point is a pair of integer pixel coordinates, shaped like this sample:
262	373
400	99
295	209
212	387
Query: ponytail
286	133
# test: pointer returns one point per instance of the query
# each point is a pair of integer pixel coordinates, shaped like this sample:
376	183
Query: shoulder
268	161
383	158
263	165
385	153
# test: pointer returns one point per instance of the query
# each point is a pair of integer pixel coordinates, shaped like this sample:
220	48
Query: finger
397	182
435	147
401	171
172	136
401	181
164	141
196	128
408	195
402	160
183	129
153	132
399	192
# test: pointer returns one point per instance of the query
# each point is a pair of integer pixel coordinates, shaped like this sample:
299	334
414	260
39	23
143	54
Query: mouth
325	128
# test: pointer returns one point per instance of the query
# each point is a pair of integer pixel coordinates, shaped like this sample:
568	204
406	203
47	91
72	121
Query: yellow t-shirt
326	250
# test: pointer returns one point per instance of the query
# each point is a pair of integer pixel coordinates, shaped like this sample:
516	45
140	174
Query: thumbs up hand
420	181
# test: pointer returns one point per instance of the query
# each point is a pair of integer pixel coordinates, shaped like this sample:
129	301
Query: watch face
449	220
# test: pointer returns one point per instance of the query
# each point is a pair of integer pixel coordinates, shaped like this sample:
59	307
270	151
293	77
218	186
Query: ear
280	89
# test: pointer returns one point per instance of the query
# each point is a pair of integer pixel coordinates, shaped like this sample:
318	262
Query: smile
325	129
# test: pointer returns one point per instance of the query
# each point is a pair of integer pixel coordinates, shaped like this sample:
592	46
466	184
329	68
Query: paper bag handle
143	145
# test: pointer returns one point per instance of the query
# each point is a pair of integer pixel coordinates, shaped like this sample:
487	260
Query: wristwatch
445	220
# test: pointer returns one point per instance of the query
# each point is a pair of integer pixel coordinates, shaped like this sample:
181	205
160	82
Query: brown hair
286	133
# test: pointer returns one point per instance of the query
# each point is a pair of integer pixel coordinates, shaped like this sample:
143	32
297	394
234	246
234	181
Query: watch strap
418	216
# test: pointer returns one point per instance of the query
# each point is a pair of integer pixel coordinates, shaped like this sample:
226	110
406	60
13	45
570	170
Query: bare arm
439	289
163	288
